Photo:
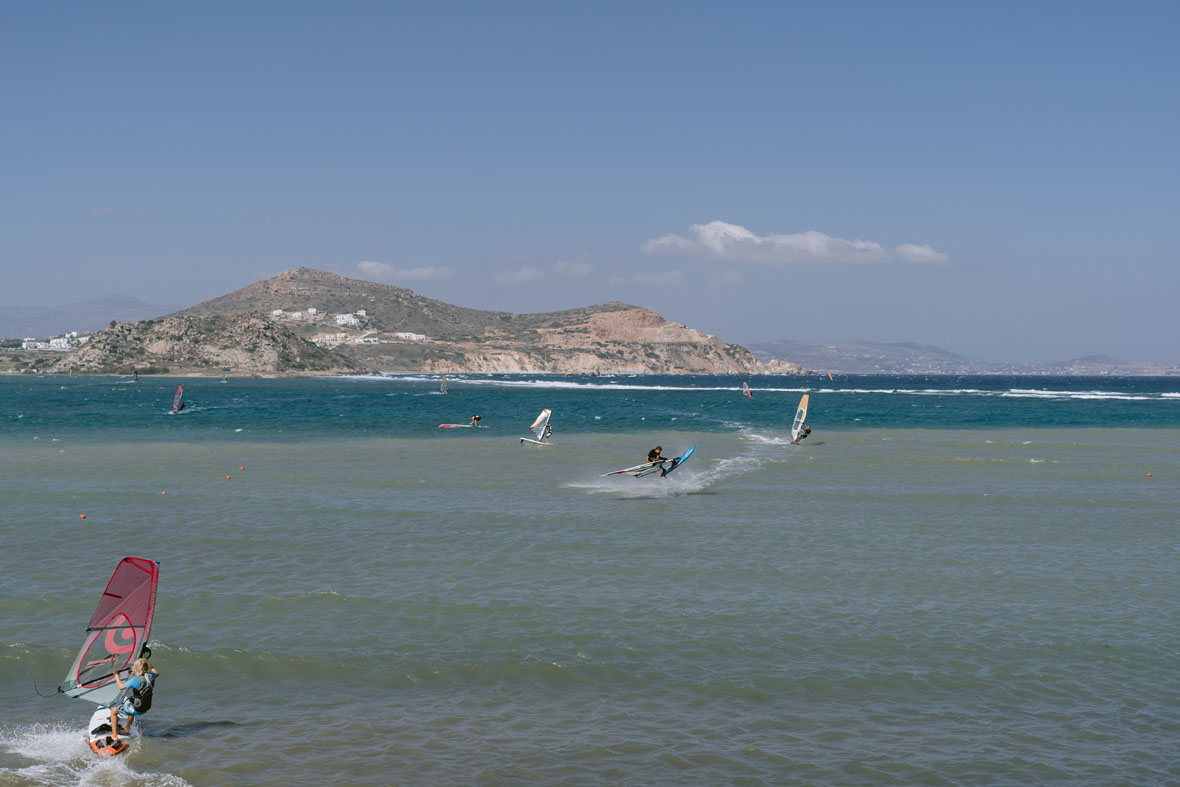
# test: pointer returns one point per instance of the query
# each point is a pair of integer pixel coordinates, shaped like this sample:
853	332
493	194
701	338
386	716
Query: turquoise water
953	581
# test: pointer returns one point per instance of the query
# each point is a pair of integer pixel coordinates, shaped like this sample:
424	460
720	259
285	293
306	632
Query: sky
999	179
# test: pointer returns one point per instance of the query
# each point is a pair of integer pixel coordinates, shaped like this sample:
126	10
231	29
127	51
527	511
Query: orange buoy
227	478
1149	475
82	515
163	493
241	468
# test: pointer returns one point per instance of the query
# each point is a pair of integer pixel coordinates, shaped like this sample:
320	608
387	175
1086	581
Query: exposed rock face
246	344
237	331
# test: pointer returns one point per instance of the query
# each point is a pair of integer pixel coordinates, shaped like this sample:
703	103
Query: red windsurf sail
118	630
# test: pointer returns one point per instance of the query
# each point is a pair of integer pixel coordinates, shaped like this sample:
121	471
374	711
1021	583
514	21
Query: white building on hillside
330	339
411	337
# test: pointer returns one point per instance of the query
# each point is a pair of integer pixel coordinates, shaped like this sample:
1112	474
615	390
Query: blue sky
999	179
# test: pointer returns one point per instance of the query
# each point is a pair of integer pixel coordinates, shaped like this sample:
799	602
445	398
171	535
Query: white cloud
521	276
384	272
572	268
735	243
908	252
661	279
532	273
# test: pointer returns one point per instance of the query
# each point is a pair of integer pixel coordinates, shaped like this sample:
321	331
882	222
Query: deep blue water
408	406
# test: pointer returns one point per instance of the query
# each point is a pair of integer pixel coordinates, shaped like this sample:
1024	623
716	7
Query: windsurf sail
177	398
800	417
118	631
633	470
539	425
443	386
663	467
746	391
830	377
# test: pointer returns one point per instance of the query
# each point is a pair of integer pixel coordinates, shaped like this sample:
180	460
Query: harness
141	695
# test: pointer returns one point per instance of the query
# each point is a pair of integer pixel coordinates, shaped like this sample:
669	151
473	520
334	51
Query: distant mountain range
18	322
910	358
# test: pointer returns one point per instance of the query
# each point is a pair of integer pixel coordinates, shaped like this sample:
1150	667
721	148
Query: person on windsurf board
138	701
656	462
802	435
475	420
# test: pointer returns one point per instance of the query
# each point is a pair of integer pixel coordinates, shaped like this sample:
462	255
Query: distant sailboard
178	399
443	387
116	637
746	391
800	417
661	468
540	428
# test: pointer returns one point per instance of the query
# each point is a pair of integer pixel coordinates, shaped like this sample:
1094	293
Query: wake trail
758	451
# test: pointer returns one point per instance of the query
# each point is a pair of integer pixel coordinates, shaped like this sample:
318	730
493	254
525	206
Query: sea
952	581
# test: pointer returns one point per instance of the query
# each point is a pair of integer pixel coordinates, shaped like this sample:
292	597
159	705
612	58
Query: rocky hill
289	324
182	344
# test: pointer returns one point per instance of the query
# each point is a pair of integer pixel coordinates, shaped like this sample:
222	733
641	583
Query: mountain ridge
866	357
92	314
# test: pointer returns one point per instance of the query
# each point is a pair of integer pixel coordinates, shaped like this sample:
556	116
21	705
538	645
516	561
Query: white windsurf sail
800	417
443	386
117	634
635	471
542	421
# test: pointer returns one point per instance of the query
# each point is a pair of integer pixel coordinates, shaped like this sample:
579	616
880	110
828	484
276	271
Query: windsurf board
98	734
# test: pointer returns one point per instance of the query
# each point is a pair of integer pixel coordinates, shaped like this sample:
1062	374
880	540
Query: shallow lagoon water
950	582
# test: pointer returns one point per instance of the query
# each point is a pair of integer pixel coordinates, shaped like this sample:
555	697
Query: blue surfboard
680	460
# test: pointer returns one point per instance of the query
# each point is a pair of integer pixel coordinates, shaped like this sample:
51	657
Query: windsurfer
548	431
475	420
141	684
803	434
654	455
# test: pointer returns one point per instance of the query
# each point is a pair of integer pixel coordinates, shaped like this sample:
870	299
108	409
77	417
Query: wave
60	756
625	385
1040	393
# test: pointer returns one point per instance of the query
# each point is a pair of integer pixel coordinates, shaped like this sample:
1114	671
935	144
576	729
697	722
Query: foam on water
59	755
